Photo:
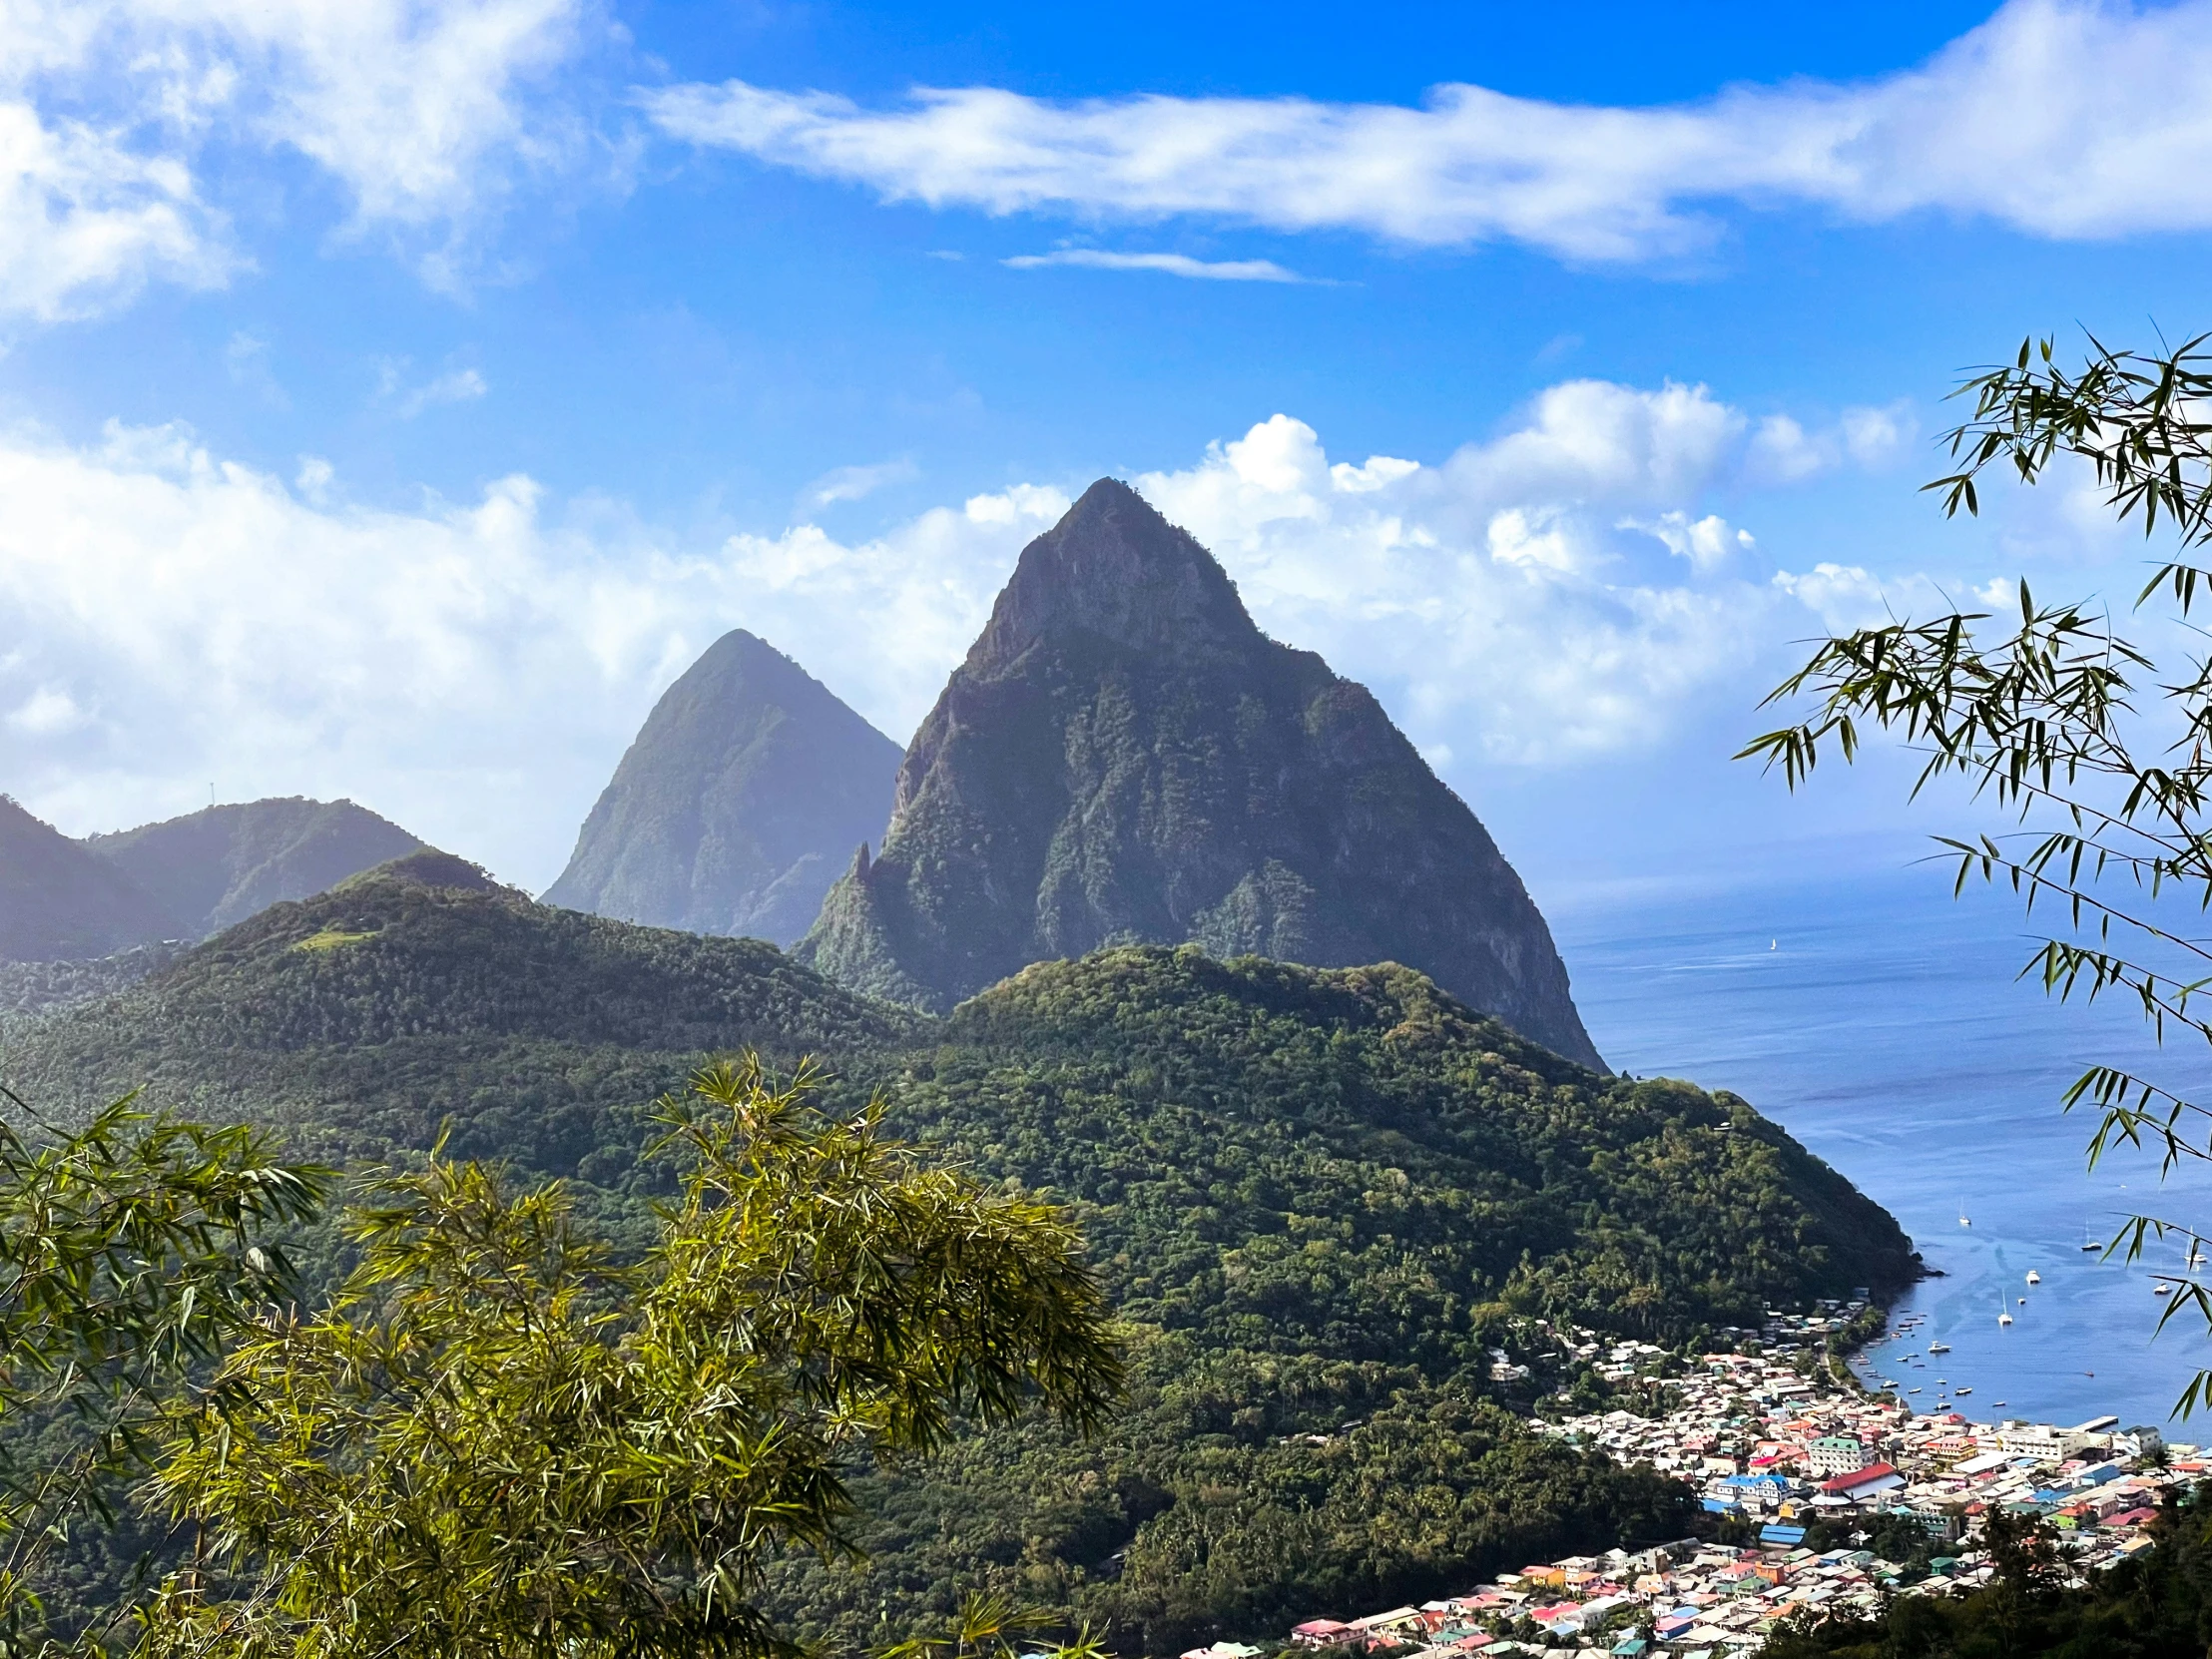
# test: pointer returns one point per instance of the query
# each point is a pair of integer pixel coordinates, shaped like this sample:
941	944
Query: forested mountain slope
1125	757
1278	1142
59	902
1316	1195
422	993
221	864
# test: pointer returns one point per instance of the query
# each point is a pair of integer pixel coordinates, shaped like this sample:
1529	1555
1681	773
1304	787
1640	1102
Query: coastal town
1821	1499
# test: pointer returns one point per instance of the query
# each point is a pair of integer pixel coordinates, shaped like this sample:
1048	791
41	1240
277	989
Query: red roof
1862	1477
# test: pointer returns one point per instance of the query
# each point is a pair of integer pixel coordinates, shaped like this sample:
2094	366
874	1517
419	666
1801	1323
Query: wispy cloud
460	385
418	112
2013	121
1172	265
850	483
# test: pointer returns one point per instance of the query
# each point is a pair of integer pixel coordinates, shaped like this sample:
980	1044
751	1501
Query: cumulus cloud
107	108
1171	265
1561	591
472	668
2013	121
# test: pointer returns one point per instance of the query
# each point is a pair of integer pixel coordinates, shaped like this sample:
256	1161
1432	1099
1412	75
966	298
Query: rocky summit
1124	758
740	802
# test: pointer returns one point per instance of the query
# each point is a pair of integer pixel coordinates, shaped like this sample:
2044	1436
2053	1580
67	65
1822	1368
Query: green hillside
1347	1160
58	903
1319	1195
218	865
1316	1195
421	993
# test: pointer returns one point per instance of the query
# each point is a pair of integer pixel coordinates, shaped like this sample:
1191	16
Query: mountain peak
1124	756
1115	569
737	803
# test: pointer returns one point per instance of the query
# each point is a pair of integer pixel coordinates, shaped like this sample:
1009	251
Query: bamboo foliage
500	1440
132	1250
2100	753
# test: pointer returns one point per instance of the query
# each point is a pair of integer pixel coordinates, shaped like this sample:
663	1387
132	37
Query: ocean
1883	1024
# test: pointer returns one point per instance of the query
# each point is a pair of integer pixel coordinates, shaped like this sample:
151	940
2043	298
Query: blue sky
394	399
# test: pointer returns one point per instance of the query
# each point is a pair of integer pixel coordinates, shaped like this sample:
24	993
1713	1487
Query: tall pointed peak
737	803
1116	569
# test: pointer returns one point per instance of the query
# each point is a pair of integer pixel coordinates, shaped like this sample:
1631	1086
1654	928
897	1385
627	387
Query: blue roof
1777	1534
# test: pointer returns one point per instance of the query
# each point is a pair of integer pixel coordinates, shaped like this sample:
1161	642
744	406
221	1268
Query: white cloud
1172	264
1784	452
107	108
855	484
461	386
2015	121
86	221
1876	437
471	669
48	712
1561	591
1706	542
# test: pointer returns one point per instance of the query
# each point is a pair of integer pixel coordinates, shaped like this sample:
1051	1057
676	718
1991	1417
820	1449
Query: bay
1883	1023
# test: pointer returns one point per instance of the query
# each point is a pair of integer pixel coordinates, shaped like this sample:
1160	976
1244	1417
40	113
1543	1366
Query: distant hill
59	902
1317	1196
742	798
221	864
1124	756
423	992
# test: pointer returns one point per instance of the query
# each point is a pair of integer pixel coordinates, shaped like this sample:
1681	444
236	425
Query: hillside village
1780	1458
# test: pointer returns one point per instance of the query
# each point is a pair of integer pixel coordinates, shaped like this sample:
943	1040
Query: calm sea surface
1882	1024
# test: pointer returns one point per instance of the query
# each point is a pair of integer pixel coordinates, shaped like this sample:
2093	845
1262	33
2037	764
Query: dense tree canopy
131	1250
1316	1198
500	1439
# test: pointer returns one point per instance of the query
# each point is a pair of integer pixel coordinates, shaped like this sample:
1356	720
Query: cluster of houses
1777	1455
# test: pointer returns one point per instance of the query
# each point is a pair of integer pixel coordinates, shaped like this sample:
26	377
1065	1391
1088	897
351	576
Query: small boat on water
2004	1319
1913	1390
1961	1392
1938	1347
2023	1301
2162	1290
2034	1278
